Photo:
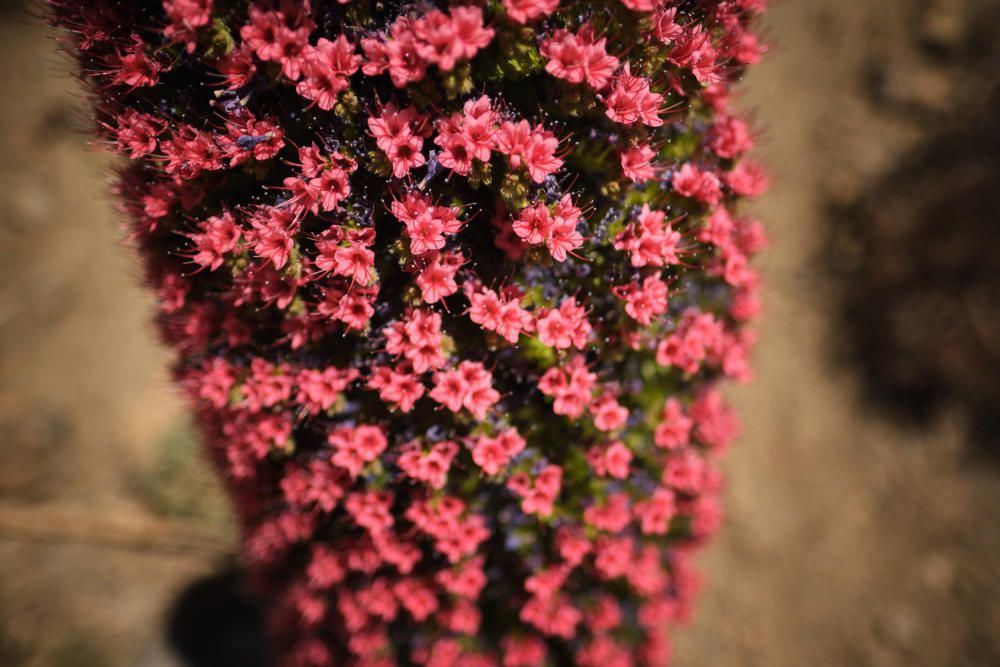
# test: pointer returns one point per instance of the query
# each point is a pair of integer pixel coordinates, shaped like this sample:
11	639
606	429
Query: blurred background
864	499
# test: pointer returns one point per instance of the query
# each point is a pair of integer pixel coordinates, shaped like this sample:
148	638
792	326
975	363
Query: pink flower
632	101
571	386
426	224
238	67
450	388
396	386
655	513
319	389
643	5
716	424
523	11
613	460
651	241
354	447
493	454
612	516
674	428
218	237
354	261
644	303
609	415
272	235
399	133
533	148
579	57
702	185
538	495
636	165
480	395
730	137
694	50
418	339
748	179
506	317
430	466
565	326
665	25
406	64
435	38
489	455
534	224
436	279
467	136
556	229
469	31
697	337
326	69
186	16
523	651
446	39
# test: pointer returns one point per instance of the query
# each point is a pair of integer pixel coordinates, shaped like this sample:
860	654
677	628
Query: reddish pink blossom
326	68
655	513
579	57
186	16
643	5
557	229
651	240
426	224
612	516
467	136
493	454
637	165
612	460
436	279
502	315
523	11
430	466
396	386
354	447
730	137
531	148
238	67
571	385
538	495
217	237
632	101
693	50
526	651
564	327
135	68
609	415
435	38
748	179
665	25
701	185
674	429
698	337
716	425
646	302
319	389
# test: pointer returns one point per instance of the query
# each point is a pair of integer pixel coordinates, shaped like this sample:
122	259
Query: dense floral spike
451	288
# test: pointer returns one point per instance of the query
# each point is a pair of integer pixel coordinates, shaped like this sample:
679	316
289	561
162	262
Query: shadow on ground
917	259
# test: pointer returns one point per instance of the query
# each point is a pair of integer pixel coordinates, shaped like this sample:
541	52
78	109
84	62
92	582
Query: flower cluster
451	299
434	38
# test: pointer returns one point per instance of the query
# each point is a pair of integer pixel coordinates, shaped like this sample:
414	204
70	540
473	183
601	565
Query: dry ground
852	539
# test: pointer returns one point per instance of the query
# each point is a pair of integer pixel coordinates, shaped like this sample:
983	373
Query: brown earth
856	535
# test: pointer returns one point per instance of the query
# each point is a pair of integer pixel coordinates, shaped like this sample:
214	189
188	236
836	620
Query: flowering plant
450	286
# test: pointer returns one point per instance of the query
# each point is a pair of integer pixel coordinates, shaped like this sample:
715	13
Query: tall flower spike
451	301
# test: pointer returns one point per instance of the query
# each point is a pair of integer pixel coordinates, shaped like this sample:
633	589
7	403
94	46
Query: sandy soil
852	539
